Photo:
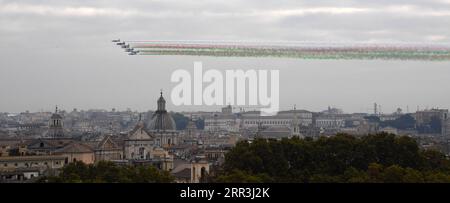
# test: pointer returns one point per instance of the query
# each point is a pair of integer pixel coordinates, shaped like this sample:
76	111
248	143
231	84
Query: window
141	152
41	144
203	174
15	164
5	165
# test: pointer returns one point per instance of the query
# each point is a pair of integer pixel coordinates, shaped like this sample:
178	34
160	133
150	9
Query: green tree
200	124
393	174
404	122
108	172
342	158
238	176
412	176
181	121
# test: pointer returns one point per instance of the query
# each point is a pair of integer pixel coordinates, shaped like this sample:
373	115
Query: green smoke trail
336	52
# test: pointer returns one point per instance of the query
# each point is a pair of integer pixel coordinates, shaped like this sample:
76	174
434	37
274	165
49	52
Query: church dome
162	120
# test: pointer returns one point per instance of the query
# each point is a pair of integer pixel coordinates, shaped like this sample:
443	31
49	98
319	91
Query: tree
412	176
404	122
393	174
181	121
342	158
200	124
108	172
374	171
238	176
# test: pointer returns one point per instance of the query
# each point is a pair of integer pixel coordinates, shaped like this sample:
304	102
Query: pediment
140	134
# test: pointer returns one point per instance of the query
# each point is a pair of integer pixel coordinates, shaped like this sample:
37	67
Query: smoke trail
301	50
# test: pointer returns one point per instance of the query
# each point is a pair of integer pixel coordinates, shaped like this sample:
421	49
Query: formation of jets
125	46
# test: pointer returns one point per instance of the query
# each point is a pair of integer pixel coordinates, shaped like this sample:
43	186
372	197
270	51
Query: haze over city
59	52
123	82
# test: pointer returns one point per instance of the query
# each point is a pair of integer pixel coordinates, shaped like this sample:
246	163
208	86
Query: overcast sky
60	52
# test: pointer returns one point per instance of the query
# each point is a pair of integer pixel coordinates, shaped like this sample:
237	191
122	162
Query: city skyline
60	52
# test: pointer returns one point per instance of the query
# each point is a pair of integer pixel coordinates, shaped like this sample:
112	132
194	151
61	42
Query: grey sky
59	52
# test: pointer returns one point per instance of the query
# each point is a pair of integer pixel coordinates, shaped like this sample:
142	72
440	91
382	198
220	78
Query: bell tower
55	127
295	125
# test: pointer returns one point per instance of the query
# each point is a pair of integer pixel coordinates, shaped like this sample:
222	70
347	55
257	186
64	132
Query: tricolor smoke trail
303	50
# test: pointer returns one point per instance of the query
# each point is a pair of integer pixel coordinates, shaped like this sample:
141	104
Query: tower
55	127
295	125
375	109
199	170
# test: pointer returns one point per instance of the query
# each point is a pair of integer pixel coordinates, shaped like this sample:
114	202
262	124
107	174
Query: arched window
141	152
